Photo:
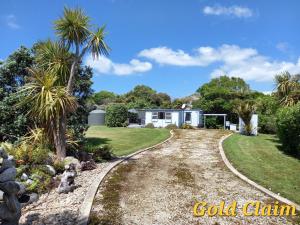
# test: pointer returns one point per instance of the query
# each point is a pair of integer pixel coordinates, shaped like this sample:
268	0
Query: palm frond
97	44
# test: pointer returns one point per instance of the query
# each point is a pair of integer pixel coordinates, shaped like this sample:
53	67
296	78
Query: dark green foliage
104	97
211	122
103	153
149	125
220	96
77	121
13	74
116	115
288	129
142	97
267	107
171	126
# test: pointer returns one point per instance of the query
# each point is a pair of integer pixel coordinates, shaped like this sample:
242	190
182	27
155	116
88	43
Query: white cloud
106	66
236	11
11	21
231	60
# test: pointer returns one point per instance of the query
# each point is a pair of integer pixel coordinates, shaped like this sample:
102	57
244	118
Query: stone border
86	206
244	178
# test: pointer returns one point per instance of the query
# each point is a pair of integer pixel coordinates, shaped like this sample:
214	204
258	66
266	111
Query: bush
171	127
186	126
103	153
42	180
288	129
211	122
267	124
59	166
116	115
149	125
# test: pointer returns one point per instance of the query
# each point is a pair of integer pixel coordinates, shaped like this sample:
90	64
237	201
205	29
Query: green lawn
260	159
125	140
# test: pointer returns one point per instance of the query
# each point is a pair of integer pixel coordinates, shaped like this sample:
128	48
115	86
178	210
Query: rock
24	177
1	195
51	170
72	160
22	188
29	182
10	208
67	183
89	165
8	175
36	176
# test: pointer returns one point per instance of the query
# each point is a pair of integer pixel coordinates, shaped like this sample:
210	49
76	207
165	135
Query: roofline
169	109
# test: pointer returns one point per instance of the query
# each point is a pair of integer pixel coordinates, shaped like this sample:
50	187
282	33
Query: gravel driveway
160	187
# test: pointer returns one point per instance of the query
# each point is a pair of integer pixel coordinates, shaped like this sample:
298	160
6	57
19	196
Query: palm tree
245	111
62	58
288	88
74	30
50	103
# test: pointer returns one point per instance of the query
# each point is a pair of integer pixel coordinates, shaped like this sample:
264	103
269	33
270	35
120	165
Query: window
154	115
161	115
168	116
187	117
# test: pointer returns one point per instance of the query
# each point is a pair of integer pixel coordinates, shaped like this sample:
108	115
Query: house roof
173	110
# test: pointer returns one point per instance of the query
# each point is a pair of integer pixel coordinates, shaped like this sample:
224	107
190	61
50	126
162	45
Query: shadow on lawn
279	146
97	141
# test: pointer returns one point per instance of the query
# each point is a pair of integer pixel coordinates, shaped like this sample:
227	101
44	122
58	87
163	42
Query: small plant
59	166
171	127
149	125
187	126
103	152
42	180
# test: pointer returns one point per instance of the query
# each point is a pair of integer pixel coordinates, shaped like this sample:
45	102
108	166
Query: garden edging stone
86	206
246	179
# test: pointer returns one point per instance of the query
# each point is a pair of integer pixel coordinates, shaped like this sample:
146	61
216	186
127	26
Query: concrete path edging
86	206
244	178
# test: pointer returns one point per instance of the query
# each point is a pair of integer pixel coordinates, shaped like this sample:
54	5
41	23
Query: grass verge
260	159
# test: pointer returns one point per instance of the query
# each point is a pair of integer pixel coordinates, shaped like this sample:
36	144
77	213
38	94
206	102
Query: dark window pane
161	115
188	116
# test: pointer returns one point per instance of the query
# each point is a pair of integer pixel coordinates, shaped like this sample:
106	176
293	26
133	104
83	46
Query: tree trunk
59	137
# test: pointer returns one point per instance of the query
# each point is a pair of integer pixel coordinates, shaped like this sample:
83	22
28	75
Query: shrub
149	125
186	126
103	153
116	115
59	166
267	124
211	123
288	129
172	126
42	180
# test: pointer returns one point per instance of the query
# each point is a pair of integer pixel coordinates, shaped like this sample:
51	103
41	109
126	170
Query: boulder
72	160
8	175
89	165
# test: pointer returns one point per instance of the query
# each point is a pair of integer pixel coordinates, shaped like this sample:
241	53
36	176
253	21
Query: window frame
190	120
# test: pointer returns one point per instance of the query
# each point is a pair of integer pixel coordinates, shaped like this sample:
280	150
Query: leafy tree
104	97
221	94
288	88
145	97
13	74
245	111
116	115
63	58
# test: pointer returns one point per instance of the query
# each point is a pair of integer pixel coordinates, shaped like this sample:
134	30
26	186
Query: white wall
194	118
254	124
162	122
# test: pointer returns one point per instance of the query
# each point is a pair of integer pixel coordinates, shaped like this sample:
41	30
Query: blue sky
173	46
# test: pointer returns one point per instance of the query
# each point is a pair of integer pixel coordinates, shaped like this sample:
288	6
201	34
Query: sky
173	46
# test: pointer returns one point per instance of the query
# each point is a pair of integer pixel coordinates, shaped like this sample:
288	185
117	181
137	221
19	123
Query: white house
164	117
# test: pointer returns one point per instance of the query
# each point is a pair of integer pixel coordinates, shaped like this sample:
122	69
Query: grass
260	159
124	140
